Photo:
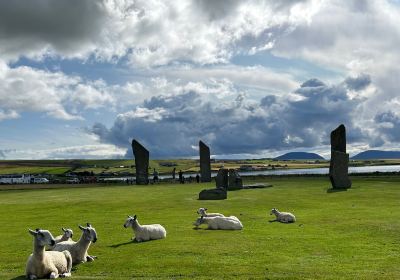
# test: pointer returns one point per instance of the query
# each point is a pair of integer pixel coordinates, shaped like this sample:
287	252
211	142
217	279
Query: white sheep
43	263
231	222
79	250
202	212
145	232
283	217
66	236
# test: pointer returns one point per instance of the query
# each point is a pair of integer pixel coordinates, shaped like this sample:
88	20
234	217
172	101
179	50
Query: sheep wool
283	217
202	212
224	223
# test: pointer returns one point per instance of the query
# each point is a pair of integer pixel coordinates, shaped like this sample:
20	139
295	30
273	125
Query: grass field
353	234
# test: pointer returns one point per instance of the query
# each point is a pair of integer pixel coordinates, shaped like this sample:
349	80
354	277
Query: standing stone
221	180
339	164
235	182
205	164
141	155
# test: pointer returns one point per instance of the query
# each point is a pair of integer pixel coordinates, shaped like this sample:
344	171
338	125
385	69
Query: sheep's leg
271	221
66	274
90	258
53	275
32	277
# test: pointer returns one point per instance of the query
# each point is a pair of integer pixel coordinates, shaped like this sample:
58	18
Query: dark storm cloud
389	126
64	25
172	125
358	83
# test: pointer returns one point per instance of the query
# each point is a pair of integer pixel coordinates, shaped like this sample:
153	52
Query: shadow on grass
331	190
123	244
18	277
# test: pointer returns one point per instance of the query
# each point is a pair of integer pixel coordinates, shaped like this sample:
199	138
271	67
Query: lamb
283	217
145	232
79	250
43	263
231	222
67	236
202	212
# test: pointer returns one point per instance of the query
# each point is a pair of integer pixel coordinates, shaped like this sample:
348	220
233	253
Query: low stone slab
213	194
257	186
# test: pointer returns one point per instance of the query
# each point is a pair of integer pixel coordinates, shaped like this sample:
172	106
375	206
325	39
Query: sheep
67	236
145	232
202	212
283	217
231	222
43	263
79	250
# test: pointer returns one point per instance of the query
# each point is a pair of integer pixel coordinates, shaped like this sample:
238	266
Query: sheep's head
199	221
43	237
202	211
273	211
67	232
129	222
89	233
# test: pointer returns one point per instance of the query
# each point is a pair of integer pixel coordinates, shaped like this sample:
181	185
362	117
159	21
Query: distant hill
376	154
299	155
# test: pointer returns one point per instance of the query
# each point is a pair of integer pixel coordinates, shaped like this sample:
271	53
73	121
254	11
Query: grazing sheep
283	217
145	232
202	212
67	236
79	250
219	222
43	263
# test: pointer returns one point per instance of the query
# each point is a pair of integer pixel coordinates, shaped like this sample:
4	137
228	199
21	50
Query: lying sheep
202	212
43	263
219	222
145	232
283	217
67	236
79	250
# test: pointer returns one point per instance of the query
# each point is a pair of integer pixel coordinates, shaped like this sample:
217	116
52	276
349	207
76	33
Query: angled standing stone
339	164
205	164
141	155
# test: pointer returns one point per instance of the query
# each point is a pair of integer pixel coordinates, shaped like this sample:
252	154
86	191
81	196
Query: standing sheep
67	236
43	263
231	222
145	232
79	250
202	212
283	217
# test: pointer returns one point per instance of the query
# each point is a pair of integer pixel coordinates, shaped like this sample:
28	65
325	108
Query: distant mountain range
299	155
376	154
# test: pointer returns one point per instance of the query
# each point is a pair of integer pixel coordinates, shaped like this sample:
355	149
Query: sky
82	78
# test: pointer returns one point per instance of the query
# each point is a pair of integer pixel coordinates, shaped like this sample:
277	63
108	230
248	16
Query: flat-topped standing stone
221	181
141	155
205	164
235	182
339	164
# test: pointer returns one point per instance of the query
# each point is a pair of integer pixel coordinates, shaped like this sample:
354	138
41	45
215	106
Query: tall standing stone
339	164
205	163
141	155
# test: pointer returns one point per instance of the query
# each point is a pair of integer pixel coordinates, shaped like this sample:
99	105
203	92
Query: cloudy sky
82	78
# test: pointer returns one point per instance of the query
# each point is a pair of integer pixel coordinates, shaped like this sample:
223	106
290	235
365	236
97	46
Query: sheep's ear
34	233
129	216
205	209
63	229
134	217
88	225
81	227
37	229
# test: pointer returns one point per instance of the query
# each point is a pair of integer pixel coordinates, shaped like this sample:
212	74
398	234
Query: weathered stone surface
213	194
338	170
141	155
235	182
338	139
339	164
205	164
221	181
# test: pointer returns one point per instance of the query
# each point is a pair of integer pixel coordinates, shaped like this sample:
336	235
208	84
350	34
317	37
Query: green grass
352	234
